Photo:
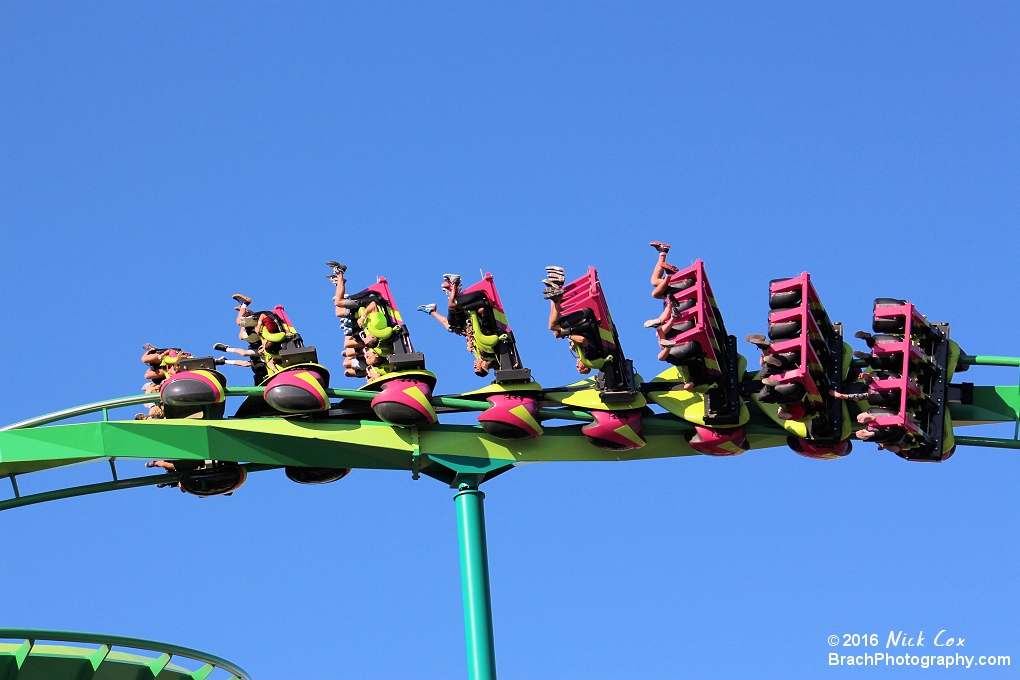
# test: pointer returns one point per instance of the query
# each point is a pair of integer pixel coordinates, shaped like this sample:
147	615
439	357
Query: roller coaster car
513	396
405	387
211	478
916	363
586	313
197	387
811	359
401	355
703	350
482	306
300	384
703	354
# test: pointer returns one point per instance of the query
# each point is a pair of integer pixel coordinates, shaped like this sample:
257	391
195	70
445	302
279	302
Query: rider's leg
339	296
555	314
657	271
660	277
440	318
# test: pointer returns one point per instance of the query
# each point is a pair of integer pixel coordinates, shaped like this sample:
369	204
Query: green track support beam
474	570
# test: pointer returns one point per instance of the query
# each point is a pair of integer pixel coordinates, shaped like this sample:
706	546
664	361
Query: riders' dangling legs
342	305
353	361
155	374
554	281
152	355
430	309
555	314
662	271
664	321
451	284
245	318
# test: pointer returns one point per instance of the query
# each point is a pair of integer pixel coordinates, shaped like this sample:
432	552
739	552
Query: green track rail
31	657
442	451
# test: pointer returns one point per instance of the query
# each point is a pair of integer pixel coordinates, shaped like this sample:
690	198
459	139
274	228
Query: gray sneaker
556	274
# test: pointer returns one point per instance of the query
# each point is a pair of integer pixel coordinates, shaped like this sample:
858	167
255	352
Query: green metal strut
474	571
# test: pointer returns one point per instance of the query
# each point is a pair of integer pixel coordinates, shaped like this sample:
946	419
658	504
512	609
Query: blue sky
156	158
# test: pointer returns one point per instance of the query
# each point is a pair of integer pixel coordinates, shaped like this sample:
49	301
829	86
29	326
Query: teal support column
474	572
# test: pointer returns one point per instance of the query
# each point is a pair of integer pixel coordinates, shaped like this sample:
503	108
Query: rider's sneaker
220	347
553	292
452	279
337	267
242	299
555	274
428	309
661	247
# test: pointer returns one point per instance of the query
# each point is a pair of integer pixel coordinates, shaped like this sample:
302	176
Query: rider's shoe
553	292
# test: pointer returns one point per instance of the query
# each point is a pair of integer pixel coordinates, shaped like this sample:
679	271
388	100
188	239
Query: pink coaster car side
298	389
511	416
808	450
405	402
615	430
194	388
719	442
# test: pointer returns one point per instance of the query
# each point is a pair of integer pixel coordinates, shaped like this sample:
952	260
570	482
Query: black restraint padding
472	301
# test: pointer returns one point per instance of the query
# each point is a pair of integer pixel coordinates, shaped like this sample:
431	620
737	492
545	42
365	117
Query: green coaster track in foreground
27	659
461	455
